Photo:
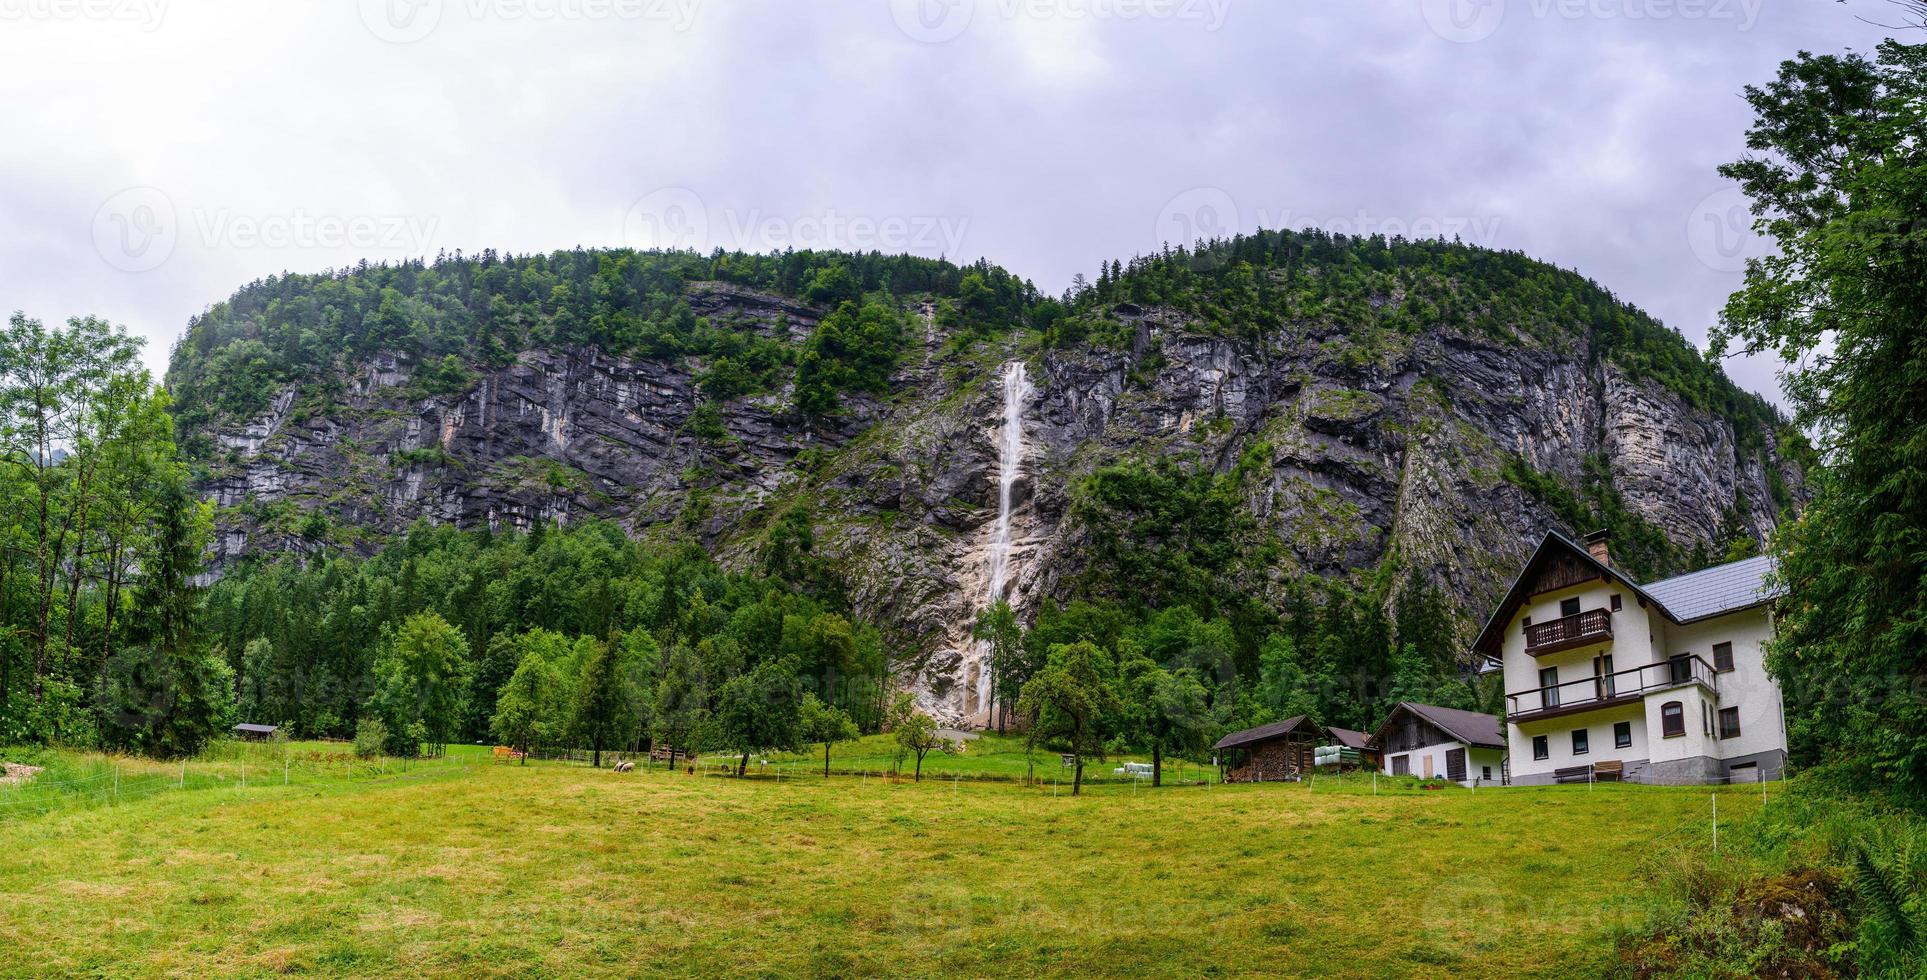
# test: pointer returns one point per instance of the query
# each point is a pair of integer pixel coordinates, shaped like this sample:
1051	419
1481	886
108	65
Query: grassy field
988	756
552	869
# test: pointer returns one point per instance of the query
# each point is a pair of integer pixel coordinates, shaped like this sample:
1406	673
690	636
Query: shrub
370	736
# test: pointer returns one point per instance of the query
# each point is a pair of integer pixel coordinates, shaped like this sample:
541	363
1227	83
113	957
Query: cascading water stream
1010	462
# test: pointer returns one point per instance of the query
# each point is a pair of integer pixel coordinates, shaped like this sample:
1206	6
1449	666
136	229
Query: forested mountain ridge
1264	418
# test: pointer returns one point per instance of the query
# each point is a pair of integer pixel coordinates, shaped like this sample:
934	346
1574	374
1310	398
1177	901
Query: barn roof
1349	738
1297	724
1470	727
257	729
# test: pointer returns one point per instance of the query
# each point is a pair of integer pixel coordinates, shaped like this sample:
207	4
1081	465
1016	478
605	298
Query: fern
1878	888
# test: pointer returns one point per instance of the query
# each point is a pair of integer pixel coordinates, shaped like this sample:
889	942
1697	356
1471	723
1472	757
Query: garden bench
1598	772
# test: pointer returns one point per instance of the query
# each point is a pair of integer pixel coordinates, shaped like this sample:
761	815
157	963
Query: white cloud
1045	135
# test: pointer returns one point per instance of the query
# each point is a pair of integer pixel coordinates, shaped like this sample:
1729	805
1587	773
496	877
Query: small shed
255	733
1346	738
1280	751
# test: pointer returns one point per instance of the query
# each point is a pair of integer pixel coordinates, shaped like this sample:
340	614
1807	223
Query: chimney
1596	544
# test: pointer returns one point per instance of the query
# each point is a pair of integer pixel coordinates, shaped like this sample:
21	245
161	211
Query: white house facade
1660	683
1431	742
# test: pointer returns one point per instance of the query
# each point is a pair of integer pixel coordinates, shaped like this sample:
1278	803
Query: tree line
101	539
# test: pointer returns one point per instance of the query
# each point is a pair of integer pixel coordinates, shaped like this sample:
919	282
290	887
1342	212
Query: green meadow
462	866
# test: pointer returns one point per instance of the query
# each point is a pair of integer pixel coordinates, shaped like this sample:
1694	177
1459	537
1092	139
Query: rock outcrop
1402	448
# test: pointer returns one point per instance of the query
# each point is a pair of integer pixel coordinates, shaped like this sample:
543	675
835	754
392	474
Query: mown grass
988	756
563	870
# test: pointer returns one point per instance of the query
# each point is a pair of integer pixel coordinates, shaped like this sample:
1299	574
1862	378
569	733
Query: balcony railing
1567	632
1606	690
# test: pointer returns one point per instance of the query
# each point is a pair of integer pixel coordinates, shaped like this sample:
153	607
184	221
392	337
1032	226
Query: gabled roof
1264	733
1683	599
1470	727
1717	590
257	729
1349	738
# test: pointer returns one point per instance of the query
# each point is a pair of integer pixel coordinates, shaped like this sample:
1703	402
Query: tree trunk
919	778
742	767
1157	764
595	747
826	760
1077	777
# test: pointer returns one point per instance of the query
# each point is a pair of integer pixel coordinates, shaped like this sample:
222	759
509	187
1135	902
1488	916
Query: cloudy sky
156	154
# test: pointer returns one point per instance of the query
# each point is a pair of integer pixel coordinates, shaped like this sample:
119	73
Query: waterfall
1010	462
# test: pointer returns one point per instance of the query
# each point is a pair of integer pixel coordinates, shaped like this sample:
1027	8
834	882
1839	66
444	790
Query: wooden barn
1280	751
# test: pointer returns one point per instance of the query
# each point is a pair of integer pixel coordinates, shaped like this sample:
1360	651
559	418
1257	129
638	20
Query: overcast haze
156	155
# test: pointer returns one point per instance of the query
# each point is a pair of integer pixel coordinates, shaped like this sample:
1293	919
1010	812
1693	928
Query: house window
1722	656
1623	735
1569	607
1729	723
1528	621
1581	742
1549	679
1487	776
1672	719
1706	718
1401	765
1616	603
1541	749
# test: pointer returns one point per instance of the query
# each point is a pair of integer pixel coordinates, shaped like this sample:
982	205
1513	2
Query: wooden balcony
1610	690
1577	630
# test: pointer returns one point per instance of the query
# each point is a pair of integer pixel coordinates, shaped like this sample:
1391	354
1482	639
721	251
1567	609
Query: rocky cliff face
1404	448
